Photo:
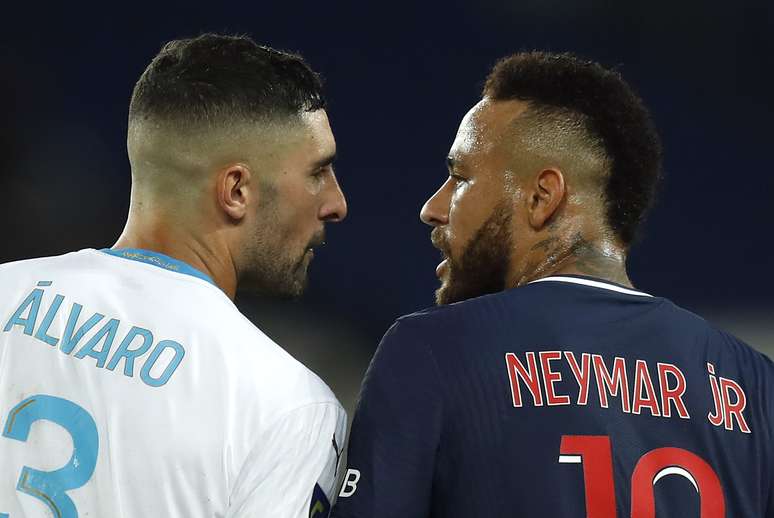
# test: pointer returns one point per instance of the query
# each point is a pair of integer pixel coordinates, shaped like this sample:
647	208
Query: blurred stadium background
399	78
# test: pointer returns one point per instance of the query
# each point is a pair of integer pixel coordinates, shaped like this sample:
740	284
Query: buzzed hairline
163	151
561	135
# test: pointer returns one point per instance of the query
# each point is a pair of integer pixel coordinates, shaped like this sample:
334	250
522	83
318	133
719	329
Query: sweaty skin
555	211
245	204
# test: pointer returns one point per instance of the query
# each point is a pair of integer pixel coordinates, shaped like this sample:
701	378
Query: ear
546	198
233	190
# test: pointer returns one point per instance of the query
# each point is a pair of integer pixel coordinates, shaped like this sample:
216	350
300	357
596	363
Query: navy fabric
437	432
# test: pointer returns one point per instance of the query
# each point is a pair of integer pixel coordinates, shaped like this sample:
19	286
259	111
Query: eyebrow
324	161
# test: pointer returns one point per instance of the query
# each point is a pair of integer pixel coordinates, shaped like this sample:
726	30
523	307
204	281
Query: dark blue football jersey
569	397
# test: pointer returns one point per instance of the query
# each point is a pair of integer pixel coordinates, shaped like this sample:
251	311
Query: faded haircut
599	112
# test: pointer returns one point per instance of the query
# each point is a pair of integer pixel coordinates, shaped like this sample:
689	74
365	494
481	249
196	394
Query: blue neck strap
159	260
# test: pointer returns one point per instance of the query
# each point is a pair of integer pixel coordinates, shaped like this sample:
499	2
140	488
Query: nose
334	207
435	211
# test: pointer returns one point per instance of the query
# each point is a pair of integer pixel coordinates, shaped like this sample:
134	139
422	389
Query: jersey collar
590	281
158	260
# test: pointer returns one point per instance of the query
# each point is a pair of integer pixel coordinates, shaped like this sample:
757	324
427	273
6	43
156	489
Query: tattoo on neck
582	254
588	260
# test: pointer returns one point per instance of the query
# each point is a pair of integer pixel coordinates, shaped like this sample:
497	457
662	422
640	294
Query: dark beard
483	266
275	274
277	277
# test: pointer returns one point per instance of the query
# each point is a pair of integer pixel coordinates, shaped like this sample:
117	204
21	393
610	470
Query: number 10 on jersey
595	453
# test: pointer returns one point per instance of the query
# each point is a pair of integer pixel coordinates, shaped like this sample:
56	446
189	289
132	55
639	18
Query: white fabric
240	429
593	284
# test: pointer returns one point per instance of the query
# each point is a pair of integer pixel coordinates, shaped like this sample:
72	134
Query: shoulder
459	320
411	347
25	273
265	366
34	264
449	313
458	313
722	341
428	334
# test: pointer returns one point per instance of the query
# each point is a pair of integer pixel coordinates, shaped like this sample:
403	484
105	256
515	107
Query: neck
601	258
205	257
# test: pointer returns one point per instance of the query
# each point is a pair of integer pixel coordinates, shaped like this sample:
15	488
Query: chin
451	292
282	285
298	289
300	281
442	295
293	287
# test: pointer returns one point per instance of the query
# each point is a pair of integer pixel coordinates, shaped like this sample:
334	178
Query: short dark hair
612	114
215	78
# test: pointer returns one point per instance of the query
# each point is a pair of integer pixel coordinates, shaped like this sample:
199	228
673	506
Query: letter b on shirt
349	486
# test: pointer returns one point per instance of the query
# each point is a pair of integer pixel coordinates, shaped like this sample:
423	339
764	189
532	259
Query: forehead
485	126
316	131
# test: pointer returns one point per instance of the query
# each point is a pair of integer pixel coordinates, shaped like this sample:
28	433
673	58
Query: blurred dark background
399	77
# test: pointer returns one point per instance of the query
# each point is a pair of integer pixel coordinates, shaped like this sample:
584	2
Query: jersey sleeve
395	432
292	471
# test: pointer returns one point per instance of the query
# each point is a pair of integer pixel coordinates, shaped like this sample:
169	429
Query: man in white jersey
130	384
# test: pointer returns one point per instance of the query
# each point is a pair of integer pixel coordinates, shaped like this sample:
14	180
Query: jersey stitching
438	381
161	271
302	407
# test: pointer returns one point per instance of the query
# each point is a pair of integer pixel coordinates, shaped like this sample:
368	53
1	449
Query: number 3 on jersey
50	487
595	453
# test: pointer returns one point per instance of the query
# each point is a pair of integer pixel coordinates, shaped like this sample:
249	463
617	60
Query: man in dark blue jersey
544	384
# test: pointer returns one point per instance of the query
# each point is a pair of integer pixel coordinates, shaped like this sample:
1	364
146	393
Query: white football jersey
131	386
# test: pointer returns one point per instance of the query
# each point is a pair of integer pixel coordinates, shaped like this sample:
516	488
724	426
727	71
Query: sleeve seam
298	408
273	423
437	370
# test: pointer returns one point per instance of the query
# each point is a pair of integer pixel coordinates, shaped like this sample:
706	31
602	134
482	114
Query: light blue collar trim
157	259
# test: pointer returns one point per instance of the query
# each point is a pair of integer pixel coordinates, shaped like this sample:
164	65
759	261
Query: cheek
465	213
313	185
298	198
296	218
461	202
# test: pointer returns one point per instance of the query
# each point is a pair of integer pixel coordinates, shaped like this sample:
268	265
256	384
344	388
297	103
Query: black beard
483	265
277	277
274	274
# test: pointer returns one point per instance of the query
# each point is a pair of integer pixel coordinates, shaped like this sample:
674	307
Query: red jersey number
595	453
